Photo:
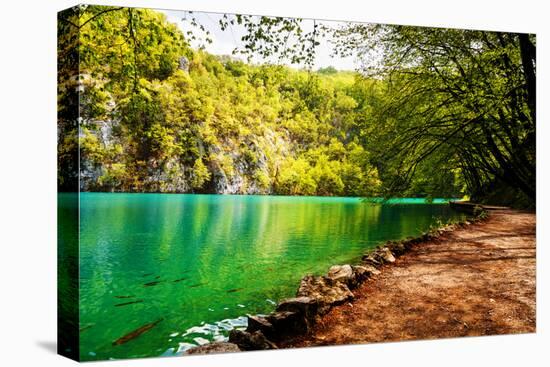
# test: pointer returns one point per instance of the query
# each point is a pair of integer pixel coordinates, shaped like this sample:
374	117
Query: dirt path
478	280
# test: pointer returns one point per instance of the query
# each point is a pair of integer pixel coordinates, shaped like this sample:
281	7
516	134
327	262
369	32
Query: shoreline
286	278
296	319
367	200
474	281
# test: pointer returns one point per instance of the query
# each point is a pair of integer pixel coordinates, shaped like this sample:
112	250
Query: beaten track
476	280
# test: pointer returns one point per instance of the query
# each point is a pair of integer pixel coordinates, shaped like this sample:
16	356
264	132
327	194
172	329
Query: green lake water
200	263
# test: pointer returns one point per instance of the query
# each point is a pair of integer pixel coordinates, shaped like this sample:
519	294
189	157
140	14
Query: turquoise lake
200	263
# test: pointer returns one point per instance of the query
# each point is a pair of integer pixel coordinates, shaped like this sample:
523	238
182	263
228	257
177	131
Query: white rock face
249	173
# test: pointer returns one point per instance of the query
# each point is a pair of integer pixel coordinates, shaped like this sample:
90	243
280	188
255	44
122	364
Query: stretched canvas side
68	185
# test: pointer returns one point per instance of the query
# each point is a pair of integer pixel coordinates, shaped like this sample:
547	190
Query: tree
465	96
201	175
327	70
459	103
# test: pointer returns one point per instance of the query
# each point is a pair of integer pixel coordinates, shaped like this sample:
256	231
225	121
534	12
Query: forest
433	112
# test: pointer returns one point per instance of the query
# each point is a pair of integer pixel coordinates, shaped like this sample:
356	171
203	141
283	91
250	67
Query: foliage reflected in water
193	260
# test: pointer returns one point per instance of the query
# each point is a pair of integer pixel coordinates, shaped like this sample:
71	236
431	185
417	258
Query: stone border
316	295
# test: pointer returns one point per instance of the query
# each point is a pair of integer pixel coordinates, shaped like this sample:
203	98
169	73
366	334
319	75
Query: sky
224	42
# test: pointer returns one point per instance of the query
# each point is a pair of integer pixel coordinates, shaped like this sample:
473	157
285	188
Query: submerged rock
214	348
325	291
250	340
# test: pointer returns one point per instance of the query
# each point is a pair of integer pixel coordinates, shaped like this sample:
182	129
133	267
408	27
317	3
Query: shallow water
202	262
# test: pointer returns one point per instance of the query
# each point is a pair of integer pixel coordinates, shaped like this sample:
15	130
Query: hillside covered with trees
445	113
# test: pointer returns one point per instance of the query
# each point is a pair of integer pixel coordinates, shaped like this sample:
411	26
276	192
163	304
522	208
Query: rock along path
477	280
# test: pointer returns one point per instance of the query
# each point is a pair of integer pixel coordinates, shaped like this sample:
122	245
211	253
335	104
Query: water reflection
194	260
